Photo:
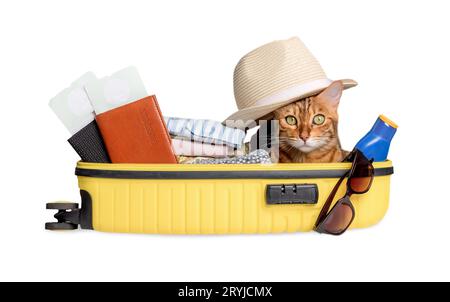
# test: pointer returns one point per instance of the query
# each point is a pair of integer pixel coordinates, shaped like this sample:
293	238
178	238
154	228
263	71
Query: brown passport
136	133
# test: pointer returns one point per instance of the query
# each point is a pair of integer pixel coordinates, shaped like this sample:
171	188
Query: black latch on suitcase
292	194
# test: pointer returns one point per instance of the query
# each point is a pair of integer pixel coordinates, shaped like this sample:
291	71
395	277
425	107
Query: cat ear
332	94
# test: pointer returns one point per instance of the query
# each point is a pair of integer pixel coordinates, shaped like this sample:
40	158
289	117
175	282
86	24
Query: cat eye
291	120
319	119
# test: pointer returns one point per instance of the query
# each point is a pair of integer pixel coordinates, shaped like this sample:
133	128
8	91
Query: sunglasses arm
329	200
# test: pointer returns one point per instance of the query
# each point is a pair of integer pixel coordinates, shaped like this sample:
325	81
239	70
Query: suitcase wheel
68	216
56	226
62	206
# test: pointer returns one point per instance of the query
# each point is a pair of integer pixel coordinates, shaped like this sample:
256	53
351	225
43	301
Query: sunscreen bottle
375	144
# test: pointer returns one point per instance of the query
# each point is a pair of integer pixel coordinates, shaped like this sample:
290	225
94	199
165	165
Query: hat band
293	92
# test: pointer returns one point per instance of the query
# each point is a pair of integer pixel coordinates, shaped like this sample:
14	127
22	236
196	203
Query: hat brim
250	114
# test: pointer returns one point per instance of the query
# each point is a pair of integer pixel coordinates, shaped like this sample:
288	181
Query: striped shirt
205	131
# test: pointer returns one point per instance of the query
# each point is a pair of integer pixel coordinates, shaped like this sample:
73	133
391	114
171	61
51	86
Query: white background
186	51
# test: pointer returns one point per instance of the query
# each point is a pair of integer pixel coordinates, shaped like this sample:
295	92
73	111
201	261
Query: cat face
311	123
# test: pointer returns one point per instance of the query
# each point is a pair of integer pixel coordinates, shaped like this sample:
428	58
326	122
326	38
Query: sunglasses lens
361	178
359	184
338	219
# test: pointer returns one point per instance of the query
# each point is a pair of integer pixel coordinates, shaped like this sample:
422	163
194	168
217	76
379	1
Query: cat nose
304	137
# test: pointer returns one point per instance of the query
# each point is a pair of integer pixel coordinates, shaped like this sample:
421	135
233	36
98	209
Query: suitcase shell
217	199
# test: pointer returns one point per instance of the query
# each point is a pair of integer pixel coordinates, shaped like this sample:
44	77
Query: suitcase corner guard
69	215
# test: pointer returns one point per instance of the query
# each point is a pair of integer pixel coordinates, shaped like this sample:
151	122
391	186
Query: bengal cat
308	128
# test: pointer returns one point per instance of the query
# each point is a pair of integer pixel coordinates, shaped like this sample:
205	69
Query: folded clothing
192	148
255	157
206	131
182	159
266	138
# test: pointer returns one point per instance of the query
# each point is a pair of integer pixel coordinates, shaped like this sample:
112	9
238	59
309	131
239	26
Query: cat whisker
287	139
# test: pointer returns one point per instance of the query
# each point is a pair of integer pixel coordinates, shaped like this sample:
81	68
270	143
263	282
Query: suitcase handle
292	194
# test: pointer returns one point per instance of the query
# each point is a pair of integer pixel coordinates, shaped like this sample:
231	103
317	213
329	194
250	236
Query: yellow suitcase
213	199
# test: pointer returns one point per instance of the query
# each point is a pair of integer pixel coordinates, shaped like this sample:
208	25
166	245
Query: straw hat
274	75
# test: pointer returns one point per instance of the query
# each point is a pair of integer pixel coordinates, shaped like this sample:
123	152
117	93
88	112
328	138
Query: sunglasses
340	217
